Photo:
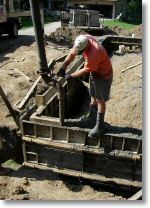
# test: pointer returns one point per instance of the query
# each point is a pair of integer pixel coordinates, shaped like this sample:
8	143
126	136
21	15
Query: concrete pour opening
75	99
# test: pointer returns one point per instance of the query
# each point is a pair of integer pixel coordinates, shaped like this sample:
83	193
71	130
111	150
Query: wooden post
11	110
61	103
136	196
26	98
130	67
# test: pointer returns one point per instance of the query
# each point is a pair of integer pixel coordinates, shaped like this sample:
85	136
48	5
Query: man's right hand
62	72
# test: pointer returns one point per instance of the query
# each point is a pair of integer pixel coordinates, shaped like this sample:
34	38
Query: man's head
80	44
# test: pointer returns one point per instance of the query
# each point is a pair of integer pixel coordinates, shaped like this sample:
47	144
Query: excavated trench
11	148
10	145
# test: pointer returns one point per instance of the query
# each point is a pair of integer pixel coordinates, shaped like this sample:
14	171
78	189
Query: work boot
89	120
99	127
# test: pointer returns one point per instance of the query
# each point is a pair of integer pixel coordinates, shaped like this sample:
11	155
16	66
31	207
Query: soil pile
64	36
125	105
137	31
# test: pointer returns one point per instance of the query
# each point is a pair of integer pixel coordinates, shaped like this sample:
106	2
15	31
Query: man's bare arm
79	73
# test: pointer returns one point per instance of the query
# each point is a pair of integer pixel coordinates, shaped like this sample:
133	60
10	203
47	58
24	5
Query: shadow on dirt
78	184
124	130
8	45
10	145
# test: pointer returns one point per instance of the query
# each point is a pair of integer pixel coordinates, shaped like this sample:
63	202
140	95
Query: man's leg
99	127
89	121
101	105
102	92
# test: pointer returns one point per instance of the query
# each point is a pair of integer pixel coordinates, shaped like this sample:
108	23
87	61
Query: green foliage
135	11
11	164
27	21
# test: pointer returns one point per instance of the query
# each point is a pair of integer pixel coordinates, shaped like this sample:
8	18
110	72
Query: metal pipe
39	34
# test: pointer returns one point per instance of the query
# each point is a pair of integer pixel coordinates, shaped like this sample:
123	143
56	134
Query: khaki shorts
100	89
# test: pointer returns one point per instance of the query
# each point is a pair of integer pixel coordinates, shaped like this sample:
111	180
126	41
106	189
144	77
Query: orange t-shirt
97	60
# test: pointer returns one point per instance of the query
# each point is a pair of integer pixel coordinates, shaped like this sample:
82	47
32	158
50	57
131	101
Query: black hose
39	37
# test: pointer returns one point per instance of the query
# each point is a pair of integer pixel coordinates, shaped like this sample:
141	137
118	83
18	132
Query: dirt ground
28	184
123	109
137	31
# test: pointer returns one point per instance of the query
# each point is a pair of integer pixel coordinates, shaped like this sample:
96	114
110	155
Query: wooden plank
40	110
74	66
27	97
23	74
48	124
131	144
44	99
12	61
11	110
45	120
125	43
51	62
81	65
86	84
111	167
130	67
91	176
55	157
60	58
136	196
65	146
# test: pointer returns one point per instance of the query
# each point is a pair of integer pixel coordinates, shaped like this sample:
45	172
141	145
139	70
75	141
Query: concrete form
114	158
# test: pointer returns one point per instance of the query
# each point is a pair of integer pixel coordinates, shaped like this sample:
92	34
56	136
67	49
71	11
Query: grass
120	24
11	164
27	21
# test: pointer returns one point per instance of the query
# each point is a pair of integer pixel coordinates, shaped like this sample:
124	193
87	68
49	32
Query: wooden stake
60	58
26	98
130	67
136	196
51	62
7	103
86	84
23	74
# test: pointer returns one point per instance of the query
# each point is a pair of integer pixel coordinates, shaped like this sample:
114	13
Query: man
98	65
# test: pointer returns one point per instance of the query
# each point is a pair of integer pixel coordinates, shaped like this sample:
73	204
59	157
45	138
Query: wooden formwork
115	157
112	42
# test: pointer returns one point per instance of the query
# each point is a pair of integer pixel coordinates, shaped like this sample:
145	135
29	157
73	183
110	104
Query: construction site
53	159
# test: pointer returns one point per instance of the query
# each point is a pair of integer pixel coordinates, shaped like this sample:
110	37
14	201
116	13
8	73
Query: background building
109	8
